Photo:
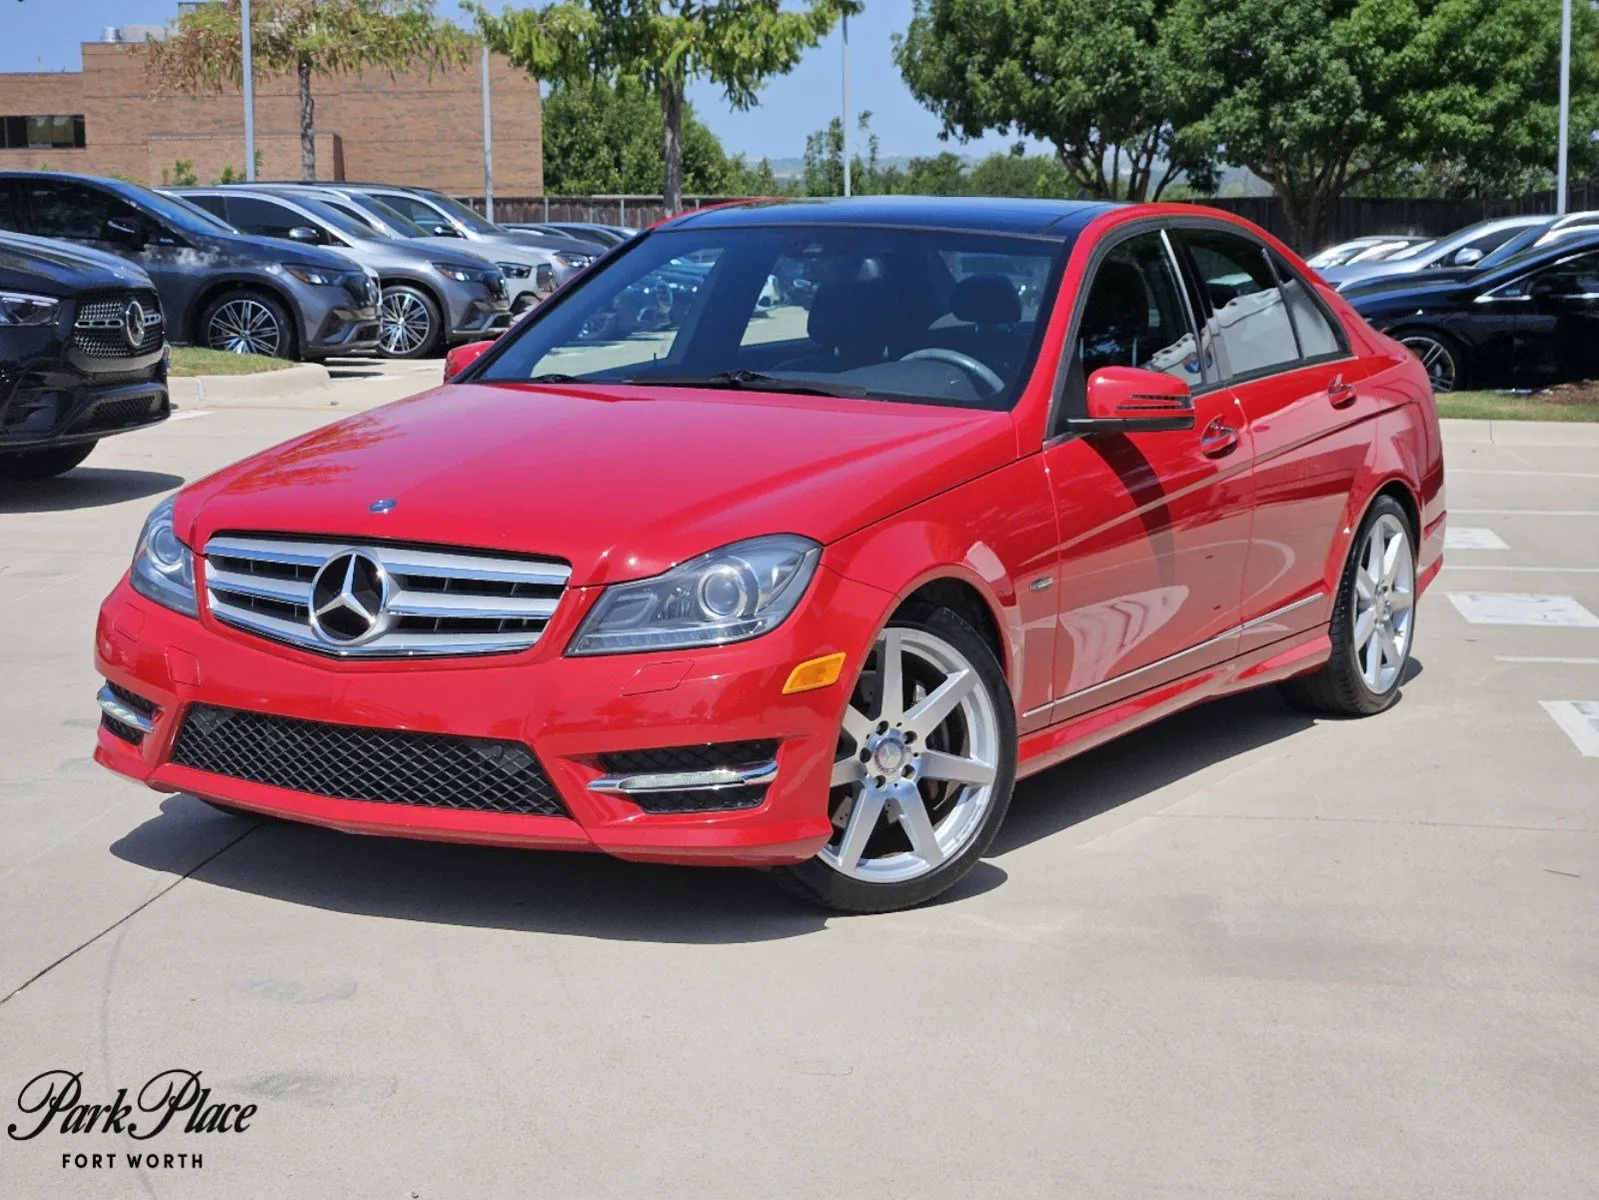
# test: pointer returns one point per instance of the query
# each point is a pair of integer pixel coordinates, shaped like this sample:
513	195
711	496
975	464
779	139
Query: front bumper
568	711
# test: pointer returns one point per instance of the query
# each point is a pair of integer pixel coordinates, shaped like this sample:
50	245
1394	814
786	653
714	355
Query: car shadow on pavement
356	368
84	487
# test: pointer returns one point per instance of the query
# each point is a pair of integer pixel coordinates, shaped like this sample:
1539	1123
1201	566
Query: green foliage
304	38
663	44
605	140
824	161
1322	97
1091	77
229	175
179	174
759	180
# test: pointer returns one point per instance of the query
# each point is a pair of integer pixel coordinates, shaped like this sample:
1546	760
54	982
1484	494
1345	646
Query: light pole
249	96
1565	104
845	27
488	141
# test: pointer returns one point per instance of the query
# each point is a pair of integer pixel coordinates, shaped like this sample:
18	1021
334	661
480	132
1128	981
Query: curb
304	384
1463	431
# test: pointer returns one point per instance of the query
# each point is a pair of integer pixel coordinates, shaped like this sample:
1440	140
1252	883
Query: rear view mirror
304	233
125	231
1133	400
462	357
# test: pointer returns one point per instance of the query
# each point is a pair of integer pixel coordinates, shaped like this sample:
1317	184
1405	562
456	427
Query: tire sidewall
436	334
822	883
286	341
1343	634
1451	348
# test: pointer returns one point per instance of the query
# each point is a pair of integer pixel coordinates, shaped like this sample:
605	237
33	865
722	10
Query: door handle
1218	440
1339	393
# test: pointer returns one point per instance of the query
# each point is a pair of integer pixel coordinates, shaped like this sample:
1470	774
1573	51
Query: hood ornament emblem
383	506
349	599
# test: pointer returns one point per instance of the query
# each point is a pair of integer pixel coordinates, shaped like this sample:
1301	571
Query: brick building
409	128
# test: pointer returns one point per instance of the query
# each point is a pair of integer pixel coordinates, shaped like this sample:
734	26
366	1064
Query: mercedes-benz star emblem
133	323
383	506
349	599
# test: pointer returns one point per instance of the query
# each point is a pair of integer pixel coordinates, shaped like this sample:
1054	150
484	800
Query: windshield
337	218
463	214
937	316
178	212
1524	240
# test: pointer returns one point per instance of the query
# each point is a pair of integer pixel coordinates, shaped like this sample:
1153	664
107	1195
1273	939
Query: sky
45	35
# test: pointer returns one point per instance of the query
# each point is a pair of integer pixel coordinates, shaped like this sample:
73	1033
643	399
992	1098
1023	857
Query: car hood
621	482
51	266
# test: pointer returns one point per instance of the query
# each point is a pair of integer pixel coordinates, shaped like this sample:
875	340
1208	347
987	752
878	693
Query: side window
211	204
1318	336
262	217
423	214
1134	316
1249	309
70	210
1574	279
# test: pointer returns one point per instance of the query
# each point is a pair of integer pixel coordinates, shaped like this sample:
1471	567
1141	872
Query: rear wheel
409	323
44	464
1373	621
1440	356
923	776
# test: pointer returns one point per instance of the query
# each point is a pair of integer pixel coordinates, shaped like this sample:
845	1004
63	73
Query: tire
409	324
1348	686
875	862
1440	354
44	464
245	321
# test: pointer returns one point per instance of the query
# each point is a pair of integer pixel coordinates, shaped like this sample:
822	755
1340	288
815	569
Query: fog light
815	673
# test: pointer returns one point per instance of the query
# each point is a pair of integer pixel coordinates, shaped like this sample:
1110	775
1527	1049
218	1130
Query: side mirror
125	231
443	231
462	357
1133	400
1467	257
304	233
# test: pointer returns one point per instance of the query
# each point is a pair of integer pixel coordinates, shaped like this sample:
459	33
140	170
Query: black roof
983	214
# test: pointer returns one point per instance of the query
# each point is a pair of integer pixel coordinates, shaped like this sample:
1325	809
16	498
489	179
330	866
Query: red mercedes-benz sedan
789	536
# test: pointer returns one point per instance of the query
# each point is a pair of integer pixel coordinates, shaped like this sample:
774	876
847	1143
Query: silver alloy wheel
405	324
1384	603
916	777
245	326
1436	357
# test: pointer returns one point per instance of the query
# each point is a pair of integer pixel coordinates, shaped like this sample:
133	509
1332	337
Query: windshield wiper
751	381
555	377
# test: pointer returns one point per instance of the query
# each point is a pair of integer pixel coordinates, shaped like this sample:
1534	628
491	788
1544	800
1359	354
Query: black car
1529	323
82	354
219	288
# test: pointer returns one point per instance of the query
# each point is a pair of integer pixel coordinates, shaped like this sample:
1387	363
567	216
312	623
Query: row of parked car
99	276
1506	303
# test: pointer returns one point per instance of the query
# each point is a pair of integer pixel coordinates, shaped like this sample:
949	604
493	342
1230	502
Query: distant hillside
1234	181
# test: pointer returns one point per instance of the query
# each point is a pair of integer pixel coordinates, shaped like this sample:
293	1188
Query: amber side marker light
815	673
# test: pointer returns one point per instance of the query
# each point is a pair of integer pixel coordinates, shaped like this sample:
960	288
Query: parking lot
1239	953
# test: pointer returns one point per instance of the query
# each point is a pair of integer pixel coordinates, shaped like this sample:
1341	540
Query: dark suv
81	354
219	288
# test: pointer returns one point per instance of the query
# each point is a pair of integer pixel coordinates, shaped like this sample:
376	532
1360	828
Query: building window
42	133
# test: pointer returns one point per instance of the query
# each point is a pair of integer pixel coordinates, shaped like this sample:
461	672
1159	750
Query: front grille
688	758
100	329
351	762
129	410
422	601
749	795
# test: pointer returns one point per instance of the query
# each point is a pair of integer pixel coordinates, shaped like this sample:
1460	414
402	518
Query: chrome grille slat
437	602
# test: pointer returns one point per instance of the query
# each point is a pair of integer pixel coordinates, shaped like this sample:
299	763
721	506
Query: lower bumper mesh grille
687	758
351	762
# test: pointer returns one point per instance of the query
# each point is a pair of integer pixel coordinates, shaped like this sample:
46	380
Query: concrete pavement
1239	954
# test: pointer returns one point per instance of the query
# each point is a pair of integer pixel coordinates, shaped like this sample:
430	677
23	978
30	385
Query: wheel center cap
890	754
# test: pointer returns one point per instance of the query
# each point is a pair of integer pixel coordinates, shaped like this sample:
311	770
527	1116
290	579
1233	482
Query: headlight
728	595
163	567
567	259
459	274
515	270
313	275
20	308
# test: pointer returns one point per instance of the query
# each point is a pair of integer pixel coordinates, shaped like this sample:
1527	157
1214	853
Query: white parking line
1458	566
1542	474
1579	719
1547	658
1521	608
1524	512
190	415
1468	538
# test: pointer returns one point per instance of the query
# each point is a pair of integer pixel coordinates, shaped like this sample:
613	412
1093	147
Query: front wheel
43	464
1440	356
409	325
926	761
1373	621
248	322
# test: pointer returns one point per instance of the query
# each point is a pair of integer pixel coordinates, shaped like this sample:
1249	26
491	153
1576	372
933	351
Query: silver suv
431	294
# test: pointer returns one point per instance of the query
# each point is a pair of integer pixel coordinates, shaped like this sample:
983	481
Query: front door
1154	526
1559	339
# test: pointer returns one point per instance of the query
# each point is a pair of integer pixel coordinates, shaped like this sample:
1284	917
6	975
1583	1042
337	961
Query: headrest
986	300
854	316
1116	299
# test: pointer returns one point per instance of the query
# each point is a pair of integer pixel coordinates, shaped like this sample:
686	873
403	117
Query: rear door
1154	526
1303	397
1559	336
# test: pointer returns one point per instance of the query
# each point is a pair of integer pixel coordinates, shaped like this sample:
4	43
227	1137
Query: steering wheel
956	359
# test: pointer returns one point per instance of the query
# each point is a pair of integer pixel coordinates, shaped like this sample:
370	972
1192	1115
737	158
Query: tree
1091	77
663	44
1319	97
305	38
601	139
1019	173
824	161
